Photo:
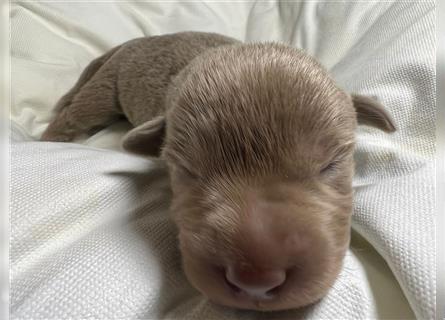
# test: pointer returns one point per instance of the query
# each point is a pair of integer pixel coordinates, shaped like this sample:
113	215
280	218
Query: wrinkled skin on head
259	142
260	150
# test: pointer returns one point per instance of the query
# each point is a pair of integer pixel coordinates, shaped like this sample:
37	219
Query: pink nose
256	283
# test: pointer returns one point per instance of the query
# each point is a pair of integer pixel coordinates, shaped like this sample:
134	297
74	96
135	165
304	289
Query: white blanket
90	232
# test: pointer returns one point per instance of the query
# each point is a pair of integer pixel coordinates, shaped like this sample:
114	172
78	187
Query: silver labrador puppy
259	142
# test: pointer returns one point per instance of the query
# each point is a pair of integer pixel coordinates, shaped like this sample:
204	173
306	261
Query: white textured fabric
90	233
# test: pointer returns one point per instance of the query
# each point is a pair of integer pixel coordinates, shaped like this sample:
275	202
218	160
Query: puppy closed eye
340	157
330	167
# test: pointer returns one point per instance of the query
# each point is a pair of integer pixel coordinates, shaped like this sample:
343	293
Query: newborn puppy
259	142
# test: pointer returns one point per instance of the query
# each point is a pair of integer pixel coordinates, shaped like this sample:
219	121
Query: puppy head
259	142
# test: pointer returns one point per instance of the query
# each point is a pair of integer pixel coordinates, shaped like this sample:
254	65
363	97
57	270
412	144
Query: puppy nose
255	282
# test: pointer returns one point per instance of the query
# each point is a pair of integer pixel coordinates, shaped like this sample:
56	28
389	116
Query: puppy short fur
259	143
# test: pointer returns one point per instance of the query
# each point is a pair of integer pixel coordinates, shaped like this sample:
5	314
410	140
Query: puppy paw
54	136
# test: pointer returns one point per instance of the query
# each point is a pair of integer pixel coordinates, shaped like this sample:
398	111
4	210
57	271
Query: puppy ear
146	139
372	113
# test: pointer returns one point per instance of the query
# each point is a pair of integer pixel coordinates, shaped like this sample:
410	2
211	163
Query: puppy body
259	143
130	80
